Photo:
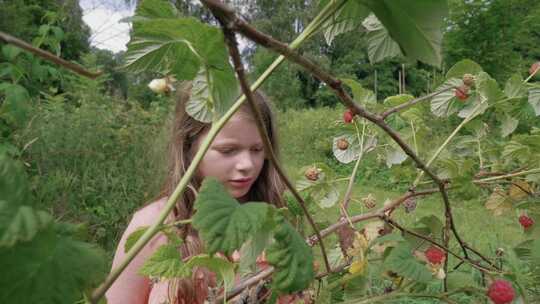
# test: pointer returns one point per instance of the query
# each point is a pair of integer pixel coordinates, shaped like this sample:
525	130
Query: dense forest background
91	148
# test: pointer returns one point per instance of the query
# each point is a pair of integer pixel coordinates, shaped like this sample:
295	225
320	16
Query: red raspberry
348	116
501	292
435	255
526	221
462	92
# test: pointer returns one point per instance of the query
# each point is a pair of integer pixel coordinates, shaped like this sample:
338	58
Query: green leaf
134	237
433	223
156	9
347	18
52	268
441	105
16	104
292	259
396	100
514	87
465	66
14	187
166	262
10	52
459	279
222	267
183	47
380	44
360	95
476	106
402	261
322	190
488	87
21	223
394	156
508	125
200	105
223	223
534	100
415	25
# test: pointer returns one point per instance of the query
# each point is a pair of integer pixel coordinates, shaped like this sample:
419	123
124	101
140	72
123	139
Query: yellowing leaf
358	266
498	203
519	190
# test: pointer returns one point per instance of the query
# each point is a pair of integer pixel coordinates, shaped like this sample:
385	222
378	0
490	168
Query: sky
104	19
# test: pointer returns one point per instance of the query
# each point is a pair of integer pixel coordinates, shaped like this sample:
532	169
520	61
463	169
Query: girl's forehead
240	128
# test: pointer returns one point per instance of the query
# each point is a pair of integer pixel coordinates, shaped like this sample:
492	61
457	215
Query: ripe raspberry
535	66
526	221
435	255
312	174
348	116
342	144
501	292
468	80
462	92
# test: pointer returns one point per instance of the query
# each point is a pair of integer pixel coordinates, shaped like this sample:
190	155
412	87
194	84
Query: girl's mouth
240	182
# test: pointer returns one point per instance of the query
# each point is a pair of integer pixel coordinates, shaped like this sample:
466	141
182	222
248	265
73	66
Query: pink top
130	287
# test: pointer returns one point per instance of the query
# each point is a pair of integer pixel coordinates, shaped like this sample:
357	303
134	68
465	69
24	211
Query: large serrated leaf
347	18
183	47
534	100
402	261
21	224
223	223
441	105
508	125
360	94
156	9
514	87
292	259
476	107
465	66
488	88
166	262
200	104
415	25
380	44
53	268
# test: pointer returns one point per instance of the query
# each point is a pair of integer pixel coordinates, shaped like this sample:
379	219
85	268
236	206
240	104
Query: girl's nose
245	161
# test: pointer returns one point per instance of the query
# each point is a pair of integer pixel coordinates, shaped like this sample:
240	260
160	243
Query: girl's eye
226	151
258	149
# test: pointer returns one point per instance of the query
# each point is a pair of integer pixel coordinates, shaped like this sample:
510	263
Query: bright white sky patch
103	17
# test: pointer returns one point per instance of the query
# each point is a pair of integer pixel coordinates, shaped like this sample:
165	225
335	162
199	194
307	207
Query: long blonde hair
268	187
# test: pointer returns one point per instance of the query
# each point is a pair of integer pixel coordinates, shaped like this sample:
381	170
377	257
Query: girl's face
235	157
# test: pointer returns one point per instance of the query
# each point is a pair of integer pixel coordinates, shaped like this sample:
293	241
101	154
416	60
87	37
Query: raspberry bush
486	155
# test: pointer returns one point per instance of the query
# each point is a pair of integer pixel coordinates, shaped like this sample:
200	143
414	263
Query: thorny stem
48	56
239	68
145	238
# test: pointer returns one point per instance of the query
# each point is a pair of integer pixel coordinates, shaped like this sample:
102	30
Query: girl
236	158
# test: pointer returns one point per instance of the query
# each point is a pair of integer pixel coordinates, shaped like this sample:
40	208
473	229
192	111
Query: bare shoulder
148	214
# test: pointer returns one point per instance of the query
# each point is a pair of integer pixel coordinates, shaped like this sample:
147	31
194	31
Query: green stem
327	11
537	170
348	193
447	141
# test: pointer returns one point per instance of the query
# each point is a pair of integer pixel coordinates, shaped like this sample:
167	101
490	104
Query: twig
239	68
405	105
48	56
